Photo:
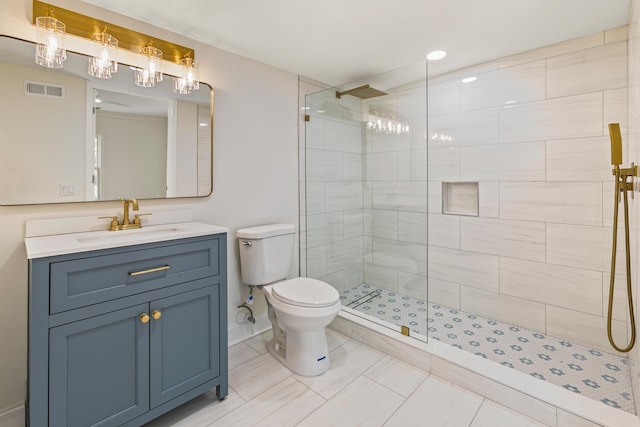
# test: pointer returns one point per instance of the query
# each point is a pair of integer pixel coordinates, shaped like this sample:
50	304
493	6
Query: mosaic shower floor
594	373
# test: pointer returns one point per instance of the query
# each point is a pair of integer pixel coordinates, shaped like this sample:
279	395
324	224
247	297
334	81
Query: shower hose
621	187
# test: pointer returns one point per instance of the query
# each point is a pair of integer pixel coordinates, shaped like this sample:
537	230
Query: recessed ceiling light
436	55
469	79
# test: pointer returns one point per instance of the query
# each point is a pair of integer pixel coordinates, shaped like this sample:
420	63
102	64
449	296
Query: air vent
48	90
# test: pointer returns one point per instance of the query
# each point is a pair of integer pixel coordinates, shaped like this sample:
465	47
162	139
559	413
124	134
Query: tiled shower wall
331	187
395	194
532	130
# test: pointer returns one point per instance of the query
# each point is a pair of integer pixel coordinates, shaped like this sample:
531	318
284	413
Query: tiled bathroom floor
363	387
593	373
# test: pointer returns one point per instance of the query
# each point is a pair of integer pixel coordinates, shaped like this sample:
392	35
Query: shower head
362	92
616	144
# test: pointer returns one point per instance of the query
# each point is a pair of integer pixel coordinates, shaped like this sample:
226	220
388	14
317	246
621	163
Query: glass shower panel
366	196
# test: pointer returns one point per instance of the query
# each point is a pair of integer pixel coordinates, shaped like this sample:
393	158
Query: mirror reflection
67	137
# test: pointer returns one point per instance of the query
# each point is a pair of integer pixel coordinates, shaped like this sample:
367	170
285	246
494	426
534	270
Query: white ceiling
338	41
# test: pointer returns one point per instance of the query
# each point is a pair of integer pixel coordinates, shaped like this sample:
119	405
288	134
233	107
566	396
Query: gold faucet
126	224
125	219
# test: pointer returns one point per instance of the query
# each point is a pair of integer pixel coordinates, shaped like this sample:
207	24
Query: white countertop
60	244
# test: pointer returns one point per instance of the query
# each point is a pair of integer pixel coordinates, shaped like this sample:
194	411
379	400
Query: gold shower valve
622	174
625	172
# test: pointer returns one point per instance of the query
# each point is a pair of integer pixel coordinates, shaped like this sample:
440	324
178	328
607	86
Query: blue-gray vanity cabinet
99	369
146	346
184	344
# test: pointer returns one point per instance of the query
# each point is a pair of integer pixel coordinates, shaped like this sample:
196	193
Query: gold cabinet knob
144	318
156	314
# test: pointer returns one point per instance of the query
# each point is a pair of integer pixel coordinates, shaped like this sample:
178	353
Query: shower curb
542	401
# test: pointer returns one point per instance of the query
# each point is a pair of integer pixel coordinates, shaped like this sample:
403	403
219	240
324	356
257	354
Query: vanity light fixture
188	81
151	71
104	61
50	51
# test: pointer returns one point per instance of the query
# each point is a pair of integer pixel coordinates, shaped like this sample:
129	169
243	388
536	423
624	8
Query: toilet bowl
299	309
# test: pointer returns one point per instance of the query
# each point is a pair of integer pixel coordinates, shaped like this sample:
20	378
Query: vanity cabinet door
184	342
99	369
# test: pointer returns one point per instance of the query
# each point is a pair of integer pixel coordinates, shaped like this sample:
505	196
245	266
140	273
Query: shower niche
460	198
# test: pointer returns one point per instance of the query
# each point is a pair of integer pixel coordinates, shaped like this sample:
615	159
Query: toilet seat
305	292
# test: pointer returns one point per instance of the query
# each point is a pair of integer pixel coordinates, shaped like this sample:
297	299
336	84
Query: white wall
254	174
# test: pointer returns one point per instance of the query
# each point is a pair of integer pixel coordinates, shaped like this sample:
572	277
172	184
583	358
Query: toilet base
306	353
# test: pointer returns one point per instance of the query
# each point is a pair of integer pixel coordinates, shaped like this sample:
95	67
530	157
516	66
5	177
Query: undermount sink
128	235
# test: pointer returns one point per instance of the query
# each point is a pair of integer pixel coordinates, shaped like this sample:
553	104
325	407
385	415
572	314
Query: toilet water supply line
247	304
622	186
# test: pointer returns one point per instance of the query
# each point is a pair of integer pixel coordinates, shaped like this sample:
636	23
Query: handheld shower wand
621	186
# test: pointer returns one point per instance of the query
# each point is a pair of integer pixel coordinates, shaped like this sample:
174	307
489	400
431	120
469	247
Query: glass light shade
151	71
50	51
189	80
104	61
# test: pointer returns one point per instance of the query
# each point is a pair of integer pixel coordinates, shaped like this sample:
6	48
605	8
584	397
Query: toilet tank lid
263	231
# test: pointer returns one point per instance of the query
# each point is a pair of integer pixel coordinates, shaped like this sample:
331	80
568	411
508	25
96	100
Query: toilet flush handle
246	242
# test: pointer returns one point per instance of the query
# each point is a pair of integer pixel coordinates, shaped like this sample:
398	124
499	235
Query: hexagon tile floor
594	373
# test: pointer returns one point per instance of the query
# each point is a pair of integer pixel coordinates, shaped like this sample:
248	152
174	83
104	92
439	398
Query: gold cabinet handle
144	318
156	314
151	270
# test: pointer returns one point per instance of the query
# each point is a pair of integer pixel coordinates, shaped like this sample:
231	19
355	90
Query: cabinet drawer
90	280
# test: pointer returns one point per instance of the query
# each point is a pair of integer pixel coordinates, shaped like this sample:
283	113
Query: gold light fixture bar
86	26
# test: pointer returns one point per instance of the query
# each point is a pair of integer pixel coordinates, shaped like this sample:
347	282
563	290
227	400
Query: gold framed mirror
68	137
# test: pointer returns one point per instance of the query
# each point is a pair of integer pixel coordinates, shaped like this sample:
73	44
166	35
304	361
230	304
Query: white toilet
299	308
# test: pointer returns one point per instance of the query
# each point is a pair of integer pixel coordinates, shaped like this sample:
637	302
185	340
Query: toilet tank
265	252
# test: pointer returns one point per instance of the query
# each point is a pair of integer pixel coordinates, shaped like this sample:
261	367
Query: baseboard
239	332
13	417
